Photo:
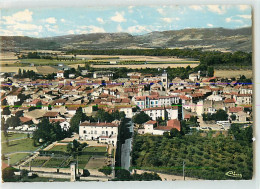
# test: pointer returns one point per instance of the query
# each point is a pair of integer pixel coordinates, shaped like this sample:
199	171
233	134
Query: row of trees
204	157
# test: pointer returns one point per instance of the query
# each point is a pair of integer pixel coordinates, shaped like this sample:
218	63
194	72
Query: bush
106	170
86	173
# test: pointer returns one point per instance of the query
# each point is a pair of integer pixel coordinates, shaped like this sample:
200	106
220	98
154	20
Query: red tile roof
151	122
51	114
25	119
235	109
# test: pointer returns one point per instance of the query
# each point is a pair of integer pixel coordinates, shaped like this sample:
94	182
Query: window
91	132
95	132
84	132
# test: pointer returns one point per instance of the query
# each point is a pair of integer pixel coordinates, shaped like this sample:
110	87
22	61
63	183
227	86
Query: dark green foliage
13	121
123	175
210	71
146	177
47	132
8	174
205	157
220	115
141	118
86	173
240	134
76	119
75	148
6	111
106	170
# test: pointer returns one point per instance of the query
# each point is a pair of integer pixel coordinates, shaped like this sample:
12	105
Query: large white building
164	112
103	132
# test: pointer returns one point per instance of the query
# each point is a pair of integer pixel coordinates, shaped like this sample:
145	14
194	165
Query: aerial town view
128	93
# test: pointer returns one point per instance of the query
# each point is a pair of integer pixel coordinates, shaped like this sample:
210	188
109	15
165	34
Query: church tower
164	79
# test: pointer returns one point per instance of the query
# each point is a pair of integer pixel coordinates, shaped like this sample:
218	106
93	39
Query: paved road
126	150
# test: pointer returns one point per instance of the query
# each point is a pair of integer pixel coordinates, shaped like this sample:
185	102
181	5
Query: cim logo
233	174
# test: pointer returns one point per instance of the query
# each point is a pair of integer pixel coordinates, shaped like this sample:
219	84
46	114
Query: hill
208	39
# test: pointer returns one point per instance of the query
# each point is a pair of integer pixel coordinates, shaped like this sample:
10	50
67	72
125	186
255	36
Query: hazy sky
43	22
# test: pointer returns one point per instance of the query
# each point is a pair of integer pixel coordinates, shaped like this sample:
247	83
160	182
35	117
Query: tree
6	111
75	148
76	119
210	71
141	118
13	121
233	117
221	115
175	133
103	116
8	174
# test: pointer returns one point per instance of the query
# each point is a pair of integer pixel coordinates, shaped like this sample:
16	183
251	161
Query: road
126	150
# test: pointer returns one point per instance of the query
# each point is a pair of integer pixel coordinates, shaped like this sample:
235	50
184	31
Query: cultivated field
233	73
143	66
15	69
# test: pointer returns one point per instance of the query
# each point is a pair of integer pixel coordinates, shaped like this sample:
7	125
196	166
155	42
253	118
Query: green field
12	136
83	160
95	149
16	157
62	148
24	145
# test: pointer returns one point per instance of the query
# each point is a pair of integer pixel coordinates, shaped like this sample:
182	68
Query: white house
128	111
152	127
98	131
156	112
60	74
215	97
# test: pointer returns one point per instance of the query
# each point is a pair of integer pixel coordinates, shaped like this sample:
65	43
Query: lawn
12	136
95	149
16	157
62	148
83	160
24	145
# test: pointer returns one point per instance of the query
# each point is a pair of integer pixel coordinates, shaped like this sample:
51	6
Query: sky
136	20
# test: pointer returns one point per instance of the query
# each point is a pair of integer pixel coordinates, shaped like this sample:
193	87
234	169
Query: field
143	66
24	145
15	69
94	149
14	158
12	136
96	162
62	148
233	73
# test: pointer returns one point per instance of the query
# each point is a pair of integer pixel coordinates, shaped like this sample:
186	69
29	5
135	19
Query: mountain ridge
206	38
